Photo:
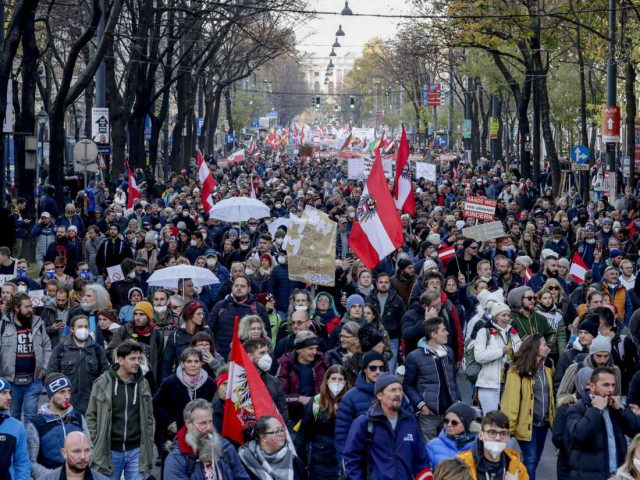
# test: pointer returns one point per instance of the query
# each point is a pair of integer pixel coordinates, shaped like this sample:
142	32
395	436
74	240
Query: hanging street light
340	32
346	10
333	53
336	44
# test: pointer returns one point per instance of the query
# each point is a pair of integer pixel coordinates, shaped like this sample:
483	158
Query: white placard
360	168
37	298
115	273
426	171
5	278
277	223
100	125
485	231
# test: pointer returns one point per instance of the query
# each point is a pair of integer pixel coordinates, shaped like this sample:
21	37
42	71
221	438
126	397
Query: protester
14	456
77	460
458	434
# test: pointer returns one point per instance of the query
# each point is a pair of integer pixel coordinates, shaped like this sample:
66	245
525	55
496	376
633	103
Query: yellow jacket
515	466
517	403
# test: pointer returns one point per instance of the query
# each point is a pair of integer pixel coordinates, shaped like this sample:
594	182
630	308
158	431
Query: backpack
470	366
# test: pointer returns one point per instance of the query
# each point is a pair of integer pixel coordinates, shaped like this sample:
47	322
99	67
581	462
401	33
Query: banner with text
480	208
485	231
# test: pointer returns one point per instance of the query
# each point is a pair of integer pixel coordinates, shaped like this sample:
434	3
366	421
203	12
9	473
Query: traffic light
442	97
352	103
336	108
313	102
317	104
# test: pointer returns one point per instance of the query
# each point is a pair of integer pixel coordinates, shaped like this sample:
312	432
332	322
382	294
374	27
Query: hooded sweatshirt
125	413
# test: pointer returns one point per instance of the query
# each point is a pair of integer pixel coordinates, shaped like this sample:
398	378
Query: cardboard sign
115	273
426	171
480	208
485	231
4	279
37	298
360	168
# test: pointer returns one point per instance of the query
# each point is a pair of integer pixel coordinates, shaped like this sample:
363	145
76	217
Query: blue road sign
255	122
580	154
442	141
229	138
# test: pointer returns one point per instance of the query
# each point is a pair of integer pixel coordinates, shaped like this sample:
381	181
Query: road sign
229	138
442	141
255	122
425	93
466	128
85	153
273	114
433	94
610	124
494	127
580	154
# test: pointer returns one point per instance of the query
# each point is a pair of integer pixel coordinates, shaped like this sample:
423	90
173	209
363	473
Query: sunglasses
244	243
474	248
528	298
452	422
59	267
554	288
376	368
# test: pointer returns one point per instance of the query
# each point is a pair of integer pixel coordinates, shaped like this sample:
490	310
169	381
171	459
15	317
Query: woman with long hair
251	327
630	469
528	399
546	307
565	307
316	436
528	244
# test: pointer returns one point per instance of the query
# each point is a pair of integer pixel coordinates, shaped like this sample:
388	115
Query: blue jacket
280	286
393	455
210	292
537	281
422	384
14	457
21	226
443	447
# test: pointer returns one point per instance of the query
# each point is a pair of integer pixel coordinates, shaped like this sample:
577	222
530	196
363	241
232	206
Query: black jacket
110	254
316	444
176	343
276	390
393	312
566	359
589	457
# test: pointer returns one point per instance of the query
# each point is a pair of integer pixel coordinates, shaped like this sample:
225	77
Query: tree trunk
215	115
137	151
547	133
630	112
228	105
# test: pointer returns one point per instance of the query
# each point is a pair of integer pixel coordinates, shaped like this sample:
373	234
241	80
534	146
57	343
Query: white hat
498	308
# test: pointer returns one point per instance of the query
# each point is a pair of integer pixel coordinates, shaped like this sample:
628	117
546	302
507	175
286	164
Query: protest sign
311	248
4	278
37	298
360	168
479	207
426	171
485	231
115	273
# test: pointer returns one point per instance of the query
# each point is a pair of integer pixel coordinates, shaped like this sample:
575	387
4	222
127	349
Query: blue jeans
129	462
395	347
532	450
24	399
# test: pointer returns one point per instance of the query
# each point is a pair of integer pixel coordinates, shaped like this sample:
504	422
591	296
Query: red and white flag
377	230
134	193
247	396
236	157
207	181
252	146
447	253
527	275
403	189
578	268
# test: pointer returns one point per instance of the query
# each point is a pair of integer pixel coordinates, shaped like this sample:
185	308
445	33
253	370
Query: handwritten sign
480	208
426	171
4	279
485	231
311	248
360	168
115	273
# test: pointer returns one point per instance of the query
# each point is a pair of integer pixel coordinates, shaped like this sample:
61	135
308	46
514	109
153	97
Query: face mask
590	240
160	309
244	248
352	215
495	448
279	241
301	308
211	262
265	363
485	279
185	213
282	260
335	388
22	288
132	274
204	236
252	228
21	272
81	334
197	290
50	274
248	271
434	255
636	463
194	243
278	205
118	214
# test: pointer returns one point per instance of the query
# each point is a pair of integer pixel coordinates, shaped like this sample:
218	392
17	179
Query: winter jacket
112	253
518	400
222	320
474	457
66	249
156	344
393	311
487	351
560	436
176	466
177	342
50	316
568	357
99	418
91	248
280	286
83	365
402	286
46	434
119	292
398	454
589	457
45	236
9	345
56	475
421	382
537	323
567	384
174	394
14	456
443	447
276	390
289	375
620	299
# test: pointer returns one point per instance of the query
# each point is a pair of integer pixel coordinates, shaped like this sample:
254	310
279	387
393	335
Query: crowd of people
370	377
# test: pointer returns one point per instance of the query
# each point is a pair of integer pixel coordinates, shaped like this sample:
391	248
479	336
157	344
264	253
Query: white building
316	67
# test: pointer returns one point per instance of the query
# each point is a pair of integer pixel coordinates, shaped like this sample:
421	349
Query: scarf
144	331
366	291
192	380
267	466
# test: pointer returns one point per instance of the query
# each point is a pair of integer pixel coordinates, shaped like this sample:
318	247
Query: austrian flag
207	181
578	268
447	253
528	274
134	193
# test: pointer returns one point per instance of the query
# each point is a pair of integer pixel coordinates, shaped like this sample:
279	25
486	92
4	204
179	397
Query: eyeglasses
59	266
495	434
554	288
252	224
450	421
280	431
474	248
344	337
175	307
528	298
299	324
244	243
376	368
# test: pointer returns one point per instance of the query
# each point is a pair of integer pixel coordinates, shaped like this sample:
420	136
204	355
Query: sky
318	34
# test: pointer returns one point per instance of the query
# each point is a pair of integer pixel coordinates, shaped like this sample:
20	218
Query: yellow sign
494	127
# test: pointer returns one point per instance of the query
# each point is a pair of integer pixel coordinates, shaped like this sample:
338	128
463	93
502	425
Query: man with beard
112	251
402	282
387	438
120	417
619	295
54	422
77	458
200	453
24	355
550	270
466	262
151	340
14	456
506	279
65	248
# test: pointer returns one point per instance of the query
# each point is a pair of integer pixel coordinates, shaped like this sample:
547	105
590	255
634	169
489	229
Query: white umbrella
170	276
239	209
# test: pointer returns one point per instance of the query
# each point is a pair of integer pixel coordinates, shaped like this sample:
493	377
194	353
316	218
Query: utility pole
432	80
535	128
450	126
495	142
611	98
468	118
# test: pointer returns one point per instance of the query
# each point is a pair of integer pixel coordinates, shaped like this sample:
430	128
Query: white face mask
301	308
279	241
434	255
194	243
282	260
185	213
197	290
244	248
335	388
132	274
636	464
252	228
485	279
211	262
160	309
81	334
248	271
265	363
22	288
495	448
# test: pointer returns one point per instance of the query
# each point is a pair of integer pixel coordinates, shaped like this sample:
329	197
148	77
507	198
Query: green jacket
98	419
537	323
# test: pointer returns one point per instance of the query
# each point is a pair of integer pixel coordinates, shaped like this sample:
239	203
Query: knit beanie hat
590	325
600	344
150	237
468	242
498	308
384	381
370	357
110	314
483	296
263	298
369	337
466	413
134	289
563	262
4	384
403	263
524	260
144	307
582	377
354	300
434	238
515	296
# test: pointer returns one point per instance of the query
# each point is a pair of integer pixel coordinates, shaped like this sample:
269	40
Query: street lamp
42	119
340	32
333	53
346	10
330	63
336	44
79	119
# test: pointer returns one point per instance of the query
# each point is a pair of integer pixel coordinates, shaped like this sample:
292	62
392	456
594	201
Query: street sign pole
86	207
611	88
